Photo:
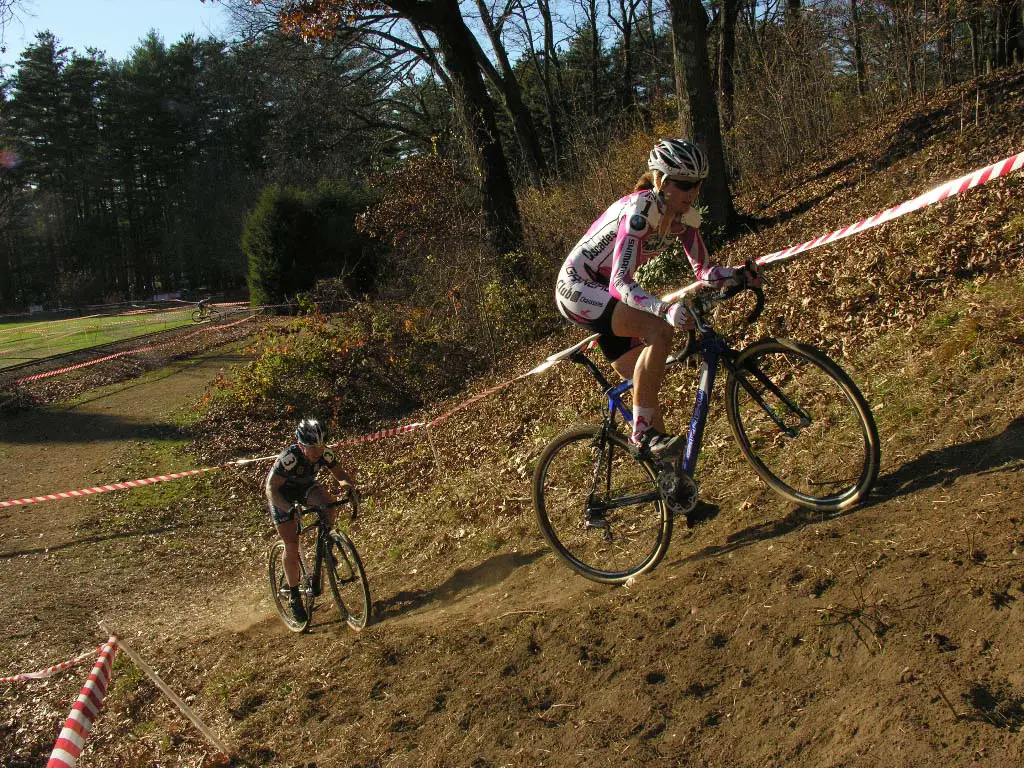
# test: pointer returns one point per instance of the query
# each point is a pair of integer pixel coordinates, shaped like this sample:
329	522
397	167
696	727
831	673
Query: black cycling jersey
300	473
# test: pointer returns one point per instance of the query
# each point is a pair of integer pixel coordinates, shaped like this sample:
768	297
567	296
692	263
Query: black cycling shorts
294	494
612	347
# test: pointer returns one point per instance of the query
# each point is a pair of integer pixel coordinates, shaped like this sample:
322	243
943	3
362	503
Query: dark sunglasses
686	186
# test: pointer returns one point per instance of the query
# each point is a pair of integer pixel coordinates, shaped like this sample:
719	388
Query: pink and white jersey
621	240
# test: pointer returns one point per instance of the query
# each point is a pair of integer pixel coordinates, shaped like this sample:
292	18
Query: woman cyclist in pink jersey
596	288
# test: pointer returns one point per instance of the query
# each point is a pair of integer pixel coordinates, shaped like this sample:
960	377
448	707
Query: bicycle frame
322	527
713	350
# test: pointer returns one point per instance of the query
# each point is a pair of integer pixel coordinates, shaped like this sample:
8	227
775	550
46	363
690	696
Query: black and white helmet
310	432
678	159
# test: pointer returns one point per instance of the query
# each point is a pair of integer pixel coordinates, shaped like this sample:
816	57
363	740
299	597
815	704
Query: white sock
642	418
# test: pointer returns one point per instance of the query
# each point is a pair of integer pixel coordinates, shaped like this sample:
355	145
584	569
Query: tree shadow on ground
492	571
61	427
940	467
824	173
90	540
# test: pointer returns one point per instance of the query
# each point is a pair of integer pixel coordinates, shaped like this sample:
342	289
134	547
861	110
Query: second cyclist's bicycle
335	554
204	312
607	508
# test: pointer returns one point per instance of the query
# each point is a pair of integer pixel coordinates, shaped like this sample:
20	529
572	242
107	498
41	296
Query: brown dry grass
768	636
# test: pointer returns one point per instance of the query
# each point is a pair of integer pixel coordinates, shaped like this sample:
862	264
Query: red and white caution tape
106	488
382	435
932	197
128	484
150	348
937	195
474	399
86	709
42	674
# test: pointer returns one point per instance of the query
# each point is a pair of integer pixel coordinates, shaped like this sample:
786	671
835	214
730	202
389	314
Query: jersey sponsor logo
598	248
585	300
329	457
565	290
638	223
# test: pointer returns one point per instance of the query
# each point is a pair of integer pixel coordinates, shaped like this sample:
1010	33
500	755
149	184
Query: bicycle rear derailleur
677	488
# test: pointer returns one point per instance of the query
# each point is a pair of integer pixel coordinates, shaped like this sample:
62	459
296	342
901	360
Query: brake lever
733	290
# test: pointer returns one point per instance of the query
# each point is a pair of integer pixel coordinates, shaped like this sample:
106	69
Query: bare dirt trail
45	554
63	447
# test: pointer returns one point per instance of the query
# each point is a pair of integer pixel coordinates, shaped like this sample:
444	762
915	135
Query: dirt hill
768	636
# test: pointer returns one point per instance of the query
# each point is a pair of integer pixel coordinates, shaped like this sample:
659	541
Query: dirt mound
768	635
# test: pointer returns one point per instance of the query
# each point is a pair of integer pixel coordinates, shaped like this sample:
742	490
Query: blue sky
114	26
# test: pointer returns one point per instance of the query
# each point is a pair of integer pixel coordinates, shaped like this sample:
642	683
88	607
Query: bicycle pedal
598	523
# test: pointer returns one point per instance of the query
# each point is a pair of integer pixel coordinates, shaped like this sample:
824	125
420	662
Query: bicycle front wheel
348	580
599	506
803	425
280	593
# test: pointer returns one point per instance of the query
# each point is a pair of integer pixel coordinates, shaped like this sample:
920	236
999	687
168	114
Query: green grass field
21	342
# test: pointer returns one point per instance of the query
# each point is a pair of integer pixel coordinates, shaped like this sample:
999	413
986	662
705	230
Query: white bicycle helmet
310	432
678	159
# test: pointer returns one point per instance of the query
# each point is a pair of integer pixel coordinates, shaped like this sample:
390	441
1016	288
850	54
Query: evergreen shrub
294	236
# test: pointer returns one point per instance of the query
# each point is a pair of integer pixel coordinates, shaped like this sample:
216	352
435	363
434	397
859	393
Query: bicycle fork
769	386
595	519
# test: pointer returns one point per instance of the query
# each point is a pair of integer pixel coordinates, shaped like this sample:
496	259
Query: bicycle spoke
600	507
348	580
803	425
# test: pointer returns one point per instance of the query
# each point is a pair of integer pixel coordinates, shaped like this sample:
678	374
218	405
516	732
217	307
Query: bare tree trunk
1010	33
551	66
625	22
653	76
595	54
974	21
698	108
727	62
501	210
858	49
545	64
504	79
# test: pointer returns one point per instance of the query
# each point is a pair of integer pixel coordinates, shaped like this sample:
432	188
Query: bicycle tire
835	446
198	315
637	535
348	581
280	592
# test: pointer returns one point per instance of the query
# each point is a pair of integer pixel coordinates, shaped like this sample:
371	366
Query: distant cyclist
292	480
597	290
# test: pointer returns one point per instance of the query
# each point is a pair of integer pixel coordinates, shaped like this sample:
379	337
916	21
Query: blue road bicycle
607	508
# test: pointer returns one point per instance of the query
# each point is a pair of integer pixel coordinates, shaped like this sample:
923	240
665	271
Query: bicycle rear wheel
348	580
599	506
280	593
803	425
198	315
